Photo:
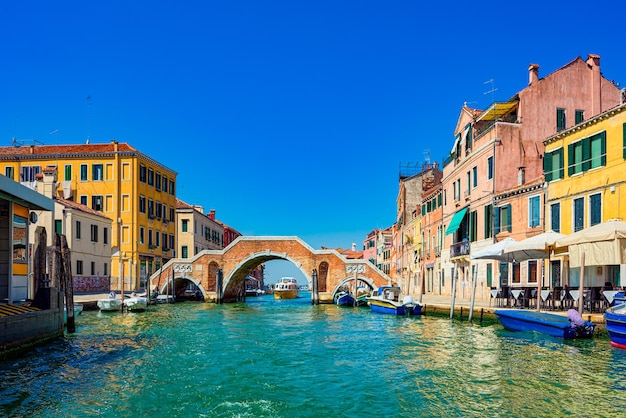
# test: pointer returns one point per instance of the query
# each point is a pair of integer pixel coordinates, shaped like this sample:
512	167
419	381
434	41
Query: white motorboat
135	303
110	304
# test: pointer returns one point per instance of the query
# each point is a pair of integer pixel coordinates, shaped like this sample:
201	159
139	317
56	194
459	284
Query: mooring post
218	286
315	299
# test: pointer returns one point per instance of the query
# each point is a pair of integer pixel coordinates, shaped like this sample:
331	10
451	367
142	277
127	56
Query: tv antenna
426	153
492	90
88	119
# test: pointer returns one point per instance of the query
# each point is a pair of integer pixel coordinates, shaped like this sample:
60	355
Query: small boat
567	327
134	303
615	319
110	304
389	300
78	308
344	298
286	288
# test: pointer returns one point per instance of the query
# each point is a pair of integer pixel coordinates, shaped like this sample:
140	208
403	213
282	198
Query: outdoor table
609	295
516	294
545	296
494	295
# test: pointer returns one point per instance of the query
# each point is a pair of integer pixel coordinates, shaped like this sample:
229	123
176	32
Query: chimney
354	246
533	71
115	145
593	61
212	214
50	181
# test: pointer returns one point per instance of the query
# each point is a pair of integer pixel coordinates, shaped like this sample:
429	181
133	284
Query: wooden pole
39	258
218	286
68	283
55	262
540	283
454	274
475	275
581	285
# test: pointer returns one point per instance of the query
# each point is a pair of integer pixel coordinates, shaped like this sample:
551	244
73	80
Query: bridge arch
245	253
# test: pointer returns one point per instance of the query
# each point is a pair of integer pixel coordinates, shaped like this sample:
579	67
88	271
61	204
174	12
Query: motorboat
389	300
135	303
286	288
110	304
615	319
344	298
560	326
78	309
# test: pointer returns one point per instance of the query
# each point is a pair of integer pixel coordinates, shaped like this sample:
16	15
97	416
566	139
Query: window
474	177
77	229
487	220
93	268
516	273
8	171
150	209
489	168
68	172
586	154
96	202
83	172
502	219
83	200
172	214
171	241
579	214
184	251
489	274
469	183
165	183
125	171
94	233
595	209
150	177
580	116
534	214
150	243
532	271
108	203
79	267
142	235
105	235
185	225
96	172
142	173
172	187
58	227
142	204
106	269
125	203
125	235
473	224
555	217
157	239
157	182
30	173
109	172
553	165
560	119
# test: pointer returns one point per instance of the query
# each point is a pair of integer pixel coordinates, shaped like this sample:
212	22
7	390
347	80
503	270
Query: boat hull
393	308
344	299
286	294
109	305
136	304
545	323
615	319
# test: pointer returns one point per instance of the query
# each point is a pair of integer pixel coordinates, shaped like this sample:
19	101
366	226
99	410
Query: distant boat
286	288
559	326
389	300
615	318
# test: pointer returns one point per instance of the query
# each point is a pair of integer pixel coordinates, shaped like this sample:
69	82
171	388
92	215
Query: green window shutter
603	148
561	164
508	223
570	159
496	221
547	166
488	210
423	210
586	154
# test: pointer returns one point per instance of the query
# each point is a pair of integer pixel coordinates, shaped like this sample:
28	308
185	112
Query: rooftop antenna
426	153
492	90
88	119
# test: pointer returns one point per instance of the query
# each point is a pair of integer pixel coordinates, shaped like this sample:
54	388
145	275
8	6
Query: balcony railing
459	249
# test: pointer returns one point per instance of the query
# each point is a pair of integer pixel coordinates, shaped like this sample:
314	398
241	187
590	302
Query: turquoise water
267	358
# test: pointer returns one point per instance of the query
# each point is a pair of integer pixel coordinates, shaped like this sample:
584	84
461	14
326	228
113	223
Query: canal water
267	358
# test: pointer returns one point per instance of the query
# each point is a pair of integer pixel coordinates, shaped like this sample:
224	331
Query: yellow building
136	192
584	169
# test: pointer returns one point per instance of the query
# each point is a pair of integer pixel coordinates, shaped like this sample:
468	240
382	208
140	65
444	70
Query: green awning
456	221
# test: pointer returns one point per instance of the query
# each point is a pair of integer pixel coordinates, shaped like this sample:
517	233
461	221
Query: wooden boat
110	304
389	300
134	303
344	298
615	319
567	327
286	288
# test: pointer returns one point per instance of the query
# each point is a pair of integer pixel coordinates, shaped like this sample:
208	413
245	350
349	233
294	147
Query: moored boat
136	303
110	304
344	298
286	288
389	300
615	319
560	326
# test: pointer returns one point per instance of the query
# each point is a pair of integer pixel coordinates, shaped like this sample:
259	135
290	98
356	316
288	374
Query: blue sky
286	117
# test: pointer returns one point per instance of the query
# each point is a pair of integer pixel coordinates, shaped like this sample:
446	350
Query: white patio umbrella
534	248
599	245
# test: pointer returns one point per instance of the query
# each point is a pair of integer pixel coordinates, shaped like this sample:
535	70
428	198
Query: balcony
460	249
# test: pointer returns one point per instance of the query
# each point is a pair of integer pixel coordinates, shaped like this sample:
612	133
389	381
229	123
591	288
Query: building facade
197	231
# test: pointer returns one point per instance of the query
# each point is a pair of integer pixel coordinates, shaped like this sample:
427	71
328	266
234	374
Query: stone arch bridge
245	253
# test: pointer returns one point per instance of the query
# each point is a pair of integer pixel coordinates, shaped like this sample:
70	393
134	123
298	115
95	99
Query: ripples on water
269	358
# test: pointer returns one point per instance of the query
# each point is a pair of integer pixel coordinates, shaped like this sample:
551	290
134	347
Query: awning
456	221
496	111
